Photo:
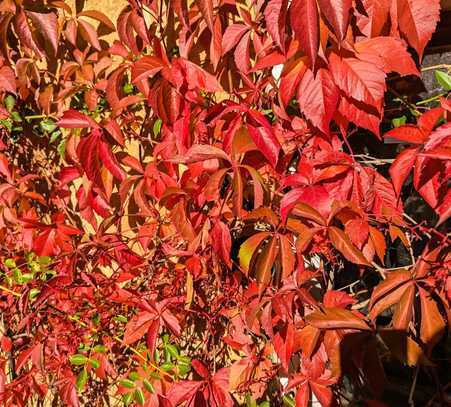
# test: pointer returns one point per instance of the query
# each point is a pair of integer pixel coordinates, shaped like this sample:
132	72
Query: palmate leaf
336	13
305	23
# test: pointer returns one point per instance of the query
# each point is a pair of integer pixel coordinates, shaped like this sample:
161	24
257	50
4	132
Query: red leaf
401	167
305	24
222	242
216	44
337	299
409	133
284	345
137	327
275	15
318	97
109	160
200	368
183	390
375	18
206	9
360	80
358	231
444	209
389	53
378	240
146	67
47	24
89	33
266	142
88	154
73	119
232	36
202	152
198	78
292	74
24	33
7	79
67	389
359	114
337	13
287	258
303	395
315	196
322	393
417	21
242	53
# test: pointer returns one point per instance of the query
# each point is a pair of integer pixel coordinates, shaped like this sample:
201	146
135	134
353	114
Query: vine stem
120	341
3	288
430	68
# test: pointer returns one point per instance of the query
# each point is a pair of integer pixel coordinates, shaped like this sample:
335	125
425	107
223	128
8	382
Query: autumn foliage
198	208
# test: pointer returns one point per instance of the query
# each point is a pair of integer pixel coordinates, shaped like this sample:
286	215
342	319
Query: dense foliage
202	211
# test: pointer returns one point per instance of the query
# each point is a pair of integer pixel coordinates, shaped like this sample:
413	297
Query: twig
379	269
3	288
430	68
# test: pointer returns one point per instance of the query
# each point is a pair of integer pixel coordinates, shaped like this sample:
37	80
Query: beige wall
111	8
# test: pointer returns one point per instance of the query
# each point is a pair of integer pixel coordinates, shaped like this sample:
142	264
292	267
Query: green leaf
155	375
26	277
173	351
17	275
133	376
82	378
288	401
157	127
7	123
127	398
94	363
10	263
99	349
47	125
250	402
78	359
120	318
44	260
399	121
54	136
33	293
128	88
62	148
127	383
139	397
9	101
184	360
443	79
148	386
16	116
167	366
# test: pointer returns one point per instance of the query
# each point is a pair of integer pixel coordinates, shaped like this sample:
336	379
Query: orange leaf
432	323
342	243
265	263
336	318
248	250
